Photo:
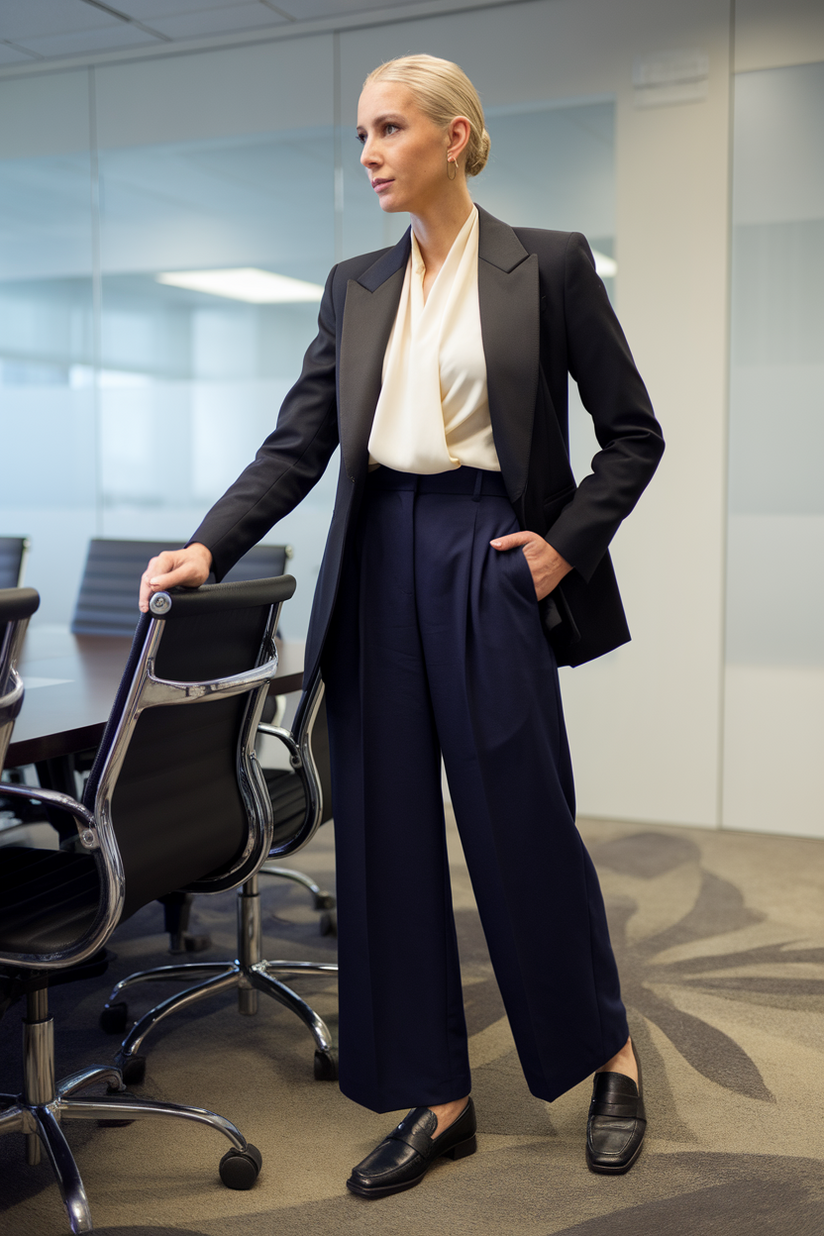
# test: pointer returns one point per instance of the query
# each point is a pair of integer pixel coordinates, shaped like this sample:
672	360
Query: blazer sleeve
291	460
612	391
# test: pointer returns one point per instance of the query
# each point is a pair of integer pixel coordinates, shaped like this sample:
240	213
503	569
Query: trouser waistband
472	482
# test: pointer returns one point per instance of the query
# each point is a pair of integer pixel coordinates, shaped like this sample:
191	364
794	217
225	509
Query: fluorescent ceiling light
606	267
258	287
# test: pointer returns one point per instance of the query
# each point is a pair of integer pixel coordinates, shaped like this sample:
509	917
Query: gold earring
453	163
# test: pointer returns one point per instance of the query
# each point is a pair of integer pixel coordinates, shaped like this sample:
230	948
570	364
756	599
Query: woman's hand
546	565
187	567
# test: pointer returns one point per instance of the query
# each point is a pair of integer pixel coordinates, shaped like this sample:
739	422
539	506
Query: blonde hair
442	91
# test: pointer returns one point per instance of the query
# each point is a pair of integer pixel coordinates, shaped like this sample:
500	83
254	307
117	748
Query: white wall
774	704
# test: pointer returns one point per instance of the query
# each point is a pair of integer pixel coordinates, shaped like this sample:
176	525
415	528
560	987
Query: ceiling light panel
256	287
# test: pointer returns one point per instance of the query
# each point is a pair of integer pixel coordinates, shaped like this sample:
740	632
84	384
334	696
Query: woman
462	563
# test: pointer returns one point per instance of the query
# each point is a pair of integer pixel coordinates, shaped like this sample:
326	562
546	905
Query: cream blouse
433	412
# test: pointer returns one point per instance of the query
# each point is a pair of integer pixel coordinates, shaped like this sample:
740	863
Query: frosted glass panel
47	401
552	166
776	493
191	382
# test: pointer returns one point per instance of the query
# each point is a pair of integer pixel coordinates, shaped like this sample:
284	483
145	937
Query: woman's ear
458	132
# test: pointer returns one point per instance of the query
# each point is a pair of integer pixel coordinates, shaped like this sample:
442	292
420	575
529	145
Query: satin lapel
509	296
371	304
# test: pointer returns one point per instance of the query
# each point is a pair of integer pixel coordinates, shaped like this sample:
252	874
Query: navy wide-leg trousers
437	648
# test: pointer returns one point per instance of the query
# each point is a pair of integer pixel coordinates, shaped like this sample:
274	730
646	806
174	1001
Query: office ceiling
34	31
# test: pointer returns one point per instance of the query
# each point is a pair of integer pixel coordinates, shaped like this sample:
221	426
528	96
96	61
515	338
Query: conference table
70	683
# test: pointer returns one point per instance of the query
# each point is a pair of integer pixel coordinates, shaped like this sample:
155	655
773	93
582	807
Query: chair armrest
84	819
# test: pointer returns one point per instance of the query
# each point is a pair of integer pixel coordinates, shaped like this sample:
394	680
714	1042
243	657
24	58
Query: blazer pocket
553	505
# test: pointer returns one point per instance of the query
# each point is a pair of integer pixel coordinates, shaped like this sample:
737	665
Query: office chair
14	550
107	600
107	605
249	973
175	799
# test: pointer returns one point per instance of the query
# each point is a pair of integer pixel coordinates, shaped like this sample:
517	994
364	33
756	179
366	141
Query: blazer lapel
509	296
368	315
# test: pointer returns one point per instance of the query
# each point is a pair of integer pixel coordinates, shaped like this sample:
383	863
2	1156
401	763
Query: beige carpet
720	940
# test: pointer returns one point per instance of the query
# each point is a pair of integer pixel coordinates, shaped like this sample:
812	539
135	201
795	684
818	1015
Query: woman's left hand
546	565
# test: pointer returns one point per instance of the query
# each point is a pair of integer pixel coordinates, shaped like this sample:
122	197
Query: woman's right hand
187	568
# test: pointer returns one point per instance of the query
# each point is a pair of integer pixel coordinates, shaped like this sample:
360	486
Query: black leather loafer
404	1157
617	1122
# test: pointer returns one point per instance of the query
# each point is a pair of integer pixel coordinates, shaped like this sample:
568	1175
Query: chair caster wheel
185	942
239	1168
326	1066
328	923
113	1017
133	1070
324	901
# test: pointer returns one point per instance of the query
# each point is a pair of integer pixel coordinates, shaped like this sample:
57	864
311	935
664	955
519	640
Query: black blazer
544	314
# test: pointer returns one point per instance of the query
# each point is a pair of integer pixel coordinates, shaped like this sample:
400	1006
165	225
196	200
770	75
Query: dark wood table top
71	681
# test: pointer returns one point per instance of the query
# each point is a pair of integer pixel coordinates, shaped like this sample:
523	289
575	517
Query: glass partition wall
191	380
775	580
48	329
143	394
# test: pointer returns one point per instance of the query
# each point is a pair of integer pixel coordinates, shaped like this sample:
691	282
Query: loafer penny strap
419	1140
633	1109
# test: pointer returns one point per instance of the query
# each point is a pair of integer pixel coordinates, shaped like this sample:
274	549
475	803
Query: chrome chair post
38	1062
250	943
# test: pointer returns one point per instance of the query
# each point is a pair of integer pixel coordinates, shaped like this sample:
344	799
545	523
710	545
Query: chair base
248	974
321	900
41	1109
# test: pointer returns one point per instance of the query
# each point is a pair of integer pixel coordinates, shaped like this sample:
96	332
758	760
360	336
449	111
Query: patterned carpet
720	942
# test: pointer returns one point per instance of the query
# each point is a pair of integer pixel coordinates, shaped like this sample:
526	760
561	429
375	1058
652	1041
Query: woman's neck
435	230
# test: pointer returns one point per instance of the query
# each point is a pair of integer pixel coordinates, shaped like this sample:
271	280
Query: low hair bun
477	154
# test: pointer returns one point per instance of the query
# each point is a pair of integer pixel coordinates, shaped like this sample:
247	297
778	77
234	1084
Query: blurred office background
153	137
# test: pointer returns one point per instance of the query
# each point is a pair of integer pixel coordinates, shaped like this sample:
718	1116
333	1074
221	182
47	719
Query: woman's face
404	152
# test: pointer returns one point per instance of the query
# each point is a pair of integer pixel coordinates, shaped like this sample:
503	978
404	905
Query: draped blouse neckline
432	414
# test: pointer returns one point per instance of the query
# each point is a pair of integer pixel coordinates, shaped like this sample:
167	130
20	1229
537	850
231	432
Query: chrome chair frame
321	898
39	1110
249	973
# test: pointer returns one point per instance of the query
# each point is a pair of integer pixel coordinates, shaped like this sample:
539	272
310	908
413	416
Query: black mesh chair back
13	553
107	600
259	561
302	796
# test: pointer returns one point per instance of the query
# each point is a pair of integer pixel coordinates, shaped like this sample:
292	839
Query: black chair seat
47	898
288	802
